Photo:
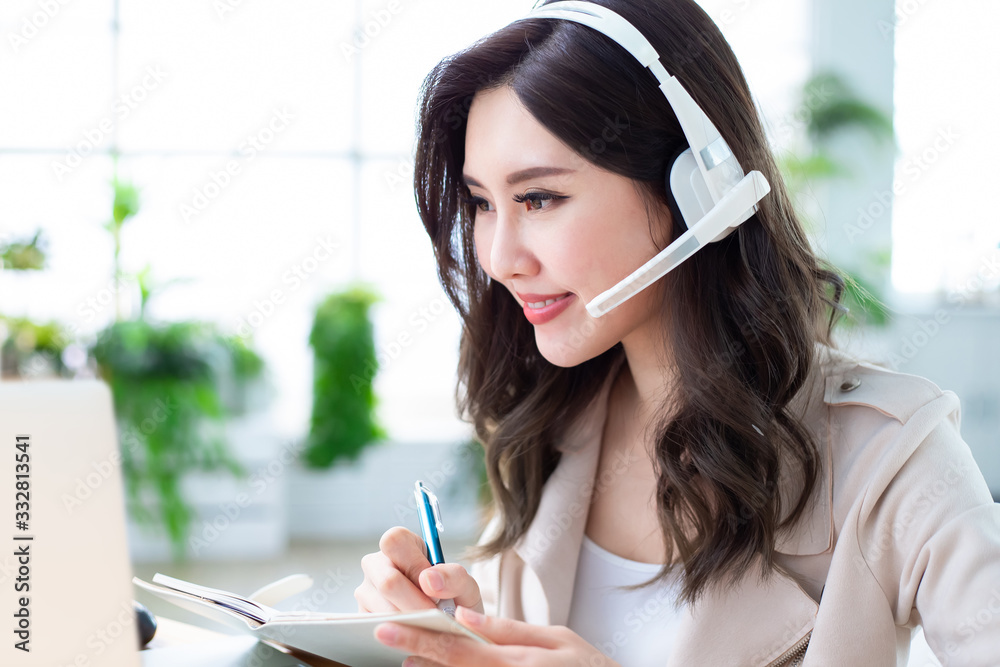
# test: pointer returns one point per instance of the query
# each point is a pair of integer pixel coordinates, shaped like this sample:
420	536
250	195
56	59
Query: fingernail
471	617
435	580
386	633
410	662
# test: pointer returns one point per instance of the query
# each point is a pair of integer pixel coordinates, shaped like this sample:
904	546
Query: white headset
706	180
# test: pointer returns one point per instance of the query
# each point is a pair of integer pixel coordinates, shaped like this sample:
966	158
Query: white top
632	627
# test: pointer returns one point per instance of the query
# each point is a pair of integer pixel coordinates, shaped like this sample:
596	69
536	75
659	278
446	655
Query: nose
509	254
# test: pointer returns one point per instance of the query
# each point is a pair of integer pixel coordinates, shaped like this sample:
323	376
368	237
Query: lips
541	308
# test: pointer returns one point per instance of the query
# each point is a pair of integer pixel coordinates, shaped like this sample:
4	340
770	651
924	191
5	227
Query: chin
568	347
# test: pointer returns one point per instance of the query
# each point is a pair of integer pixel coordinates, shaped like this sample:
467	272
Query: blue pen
430	526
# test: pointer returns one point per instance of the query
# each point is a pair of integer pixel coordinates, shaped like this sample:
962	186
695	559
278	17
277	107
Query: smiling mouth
541	304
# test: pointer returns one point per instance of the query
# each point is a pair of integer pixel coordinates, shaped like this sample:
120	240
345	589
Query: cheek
482	242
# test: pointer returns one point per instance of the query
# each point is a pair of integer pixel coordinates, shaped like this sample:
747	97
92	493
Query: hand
516	643
399	577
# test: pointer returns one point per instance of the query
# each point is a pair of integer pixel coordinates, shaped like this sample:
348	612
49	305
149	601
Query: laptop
65	577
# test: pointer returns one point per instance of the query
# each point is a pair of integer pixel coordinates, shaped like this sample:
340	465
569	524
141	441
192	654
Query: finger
406	549
451	580
369	599
509	631
444	648
417	661
389	583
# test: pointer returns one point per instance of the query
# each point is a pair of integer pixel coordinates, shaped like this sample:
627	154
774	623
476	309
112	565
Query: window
271	143
946	231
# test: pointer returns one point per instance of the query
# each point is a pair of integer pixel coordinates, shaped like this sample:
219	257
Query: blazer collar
551	545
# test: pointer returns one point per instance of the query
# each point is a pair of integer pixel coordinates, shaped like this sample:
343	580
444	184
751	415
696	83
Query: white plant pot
363	499
235	519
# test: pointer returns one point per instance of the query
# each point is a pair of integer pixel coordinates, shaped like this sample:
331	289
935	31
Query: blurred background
209	206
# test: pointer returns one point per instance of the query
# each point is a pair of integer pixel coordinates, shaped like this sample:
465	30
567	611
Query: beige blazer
902	532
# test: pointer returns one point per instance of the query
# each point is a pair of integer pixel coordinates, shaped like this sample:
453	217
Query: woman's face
551	225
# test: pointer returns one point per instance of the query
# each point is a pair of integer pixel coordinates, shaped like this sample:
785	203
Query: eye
536	197
475	202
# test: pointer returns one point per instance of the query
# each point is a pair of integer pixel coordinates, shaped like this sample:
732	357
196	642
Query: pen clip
436	511
432	502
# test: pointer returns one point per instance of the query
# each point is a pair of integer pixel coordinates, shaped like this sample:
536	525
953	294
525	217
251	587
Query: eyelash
475	202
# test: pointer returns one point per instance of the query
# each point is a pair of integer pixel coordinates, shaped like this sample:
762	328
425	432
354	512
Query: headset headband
718	164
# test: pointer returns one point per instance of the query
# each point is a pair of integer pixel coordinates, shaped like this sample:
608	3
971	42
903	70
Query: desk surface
171	633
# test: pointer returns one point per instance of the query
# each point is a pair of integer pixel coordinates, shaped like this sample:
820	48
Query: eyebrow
523	175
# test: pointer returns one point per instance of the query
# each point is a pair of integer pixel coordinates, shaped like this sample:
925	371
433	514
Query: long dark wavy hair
742	316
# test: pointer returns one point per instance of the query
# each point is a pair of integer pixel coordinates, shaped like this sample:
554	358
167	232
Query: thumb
506	630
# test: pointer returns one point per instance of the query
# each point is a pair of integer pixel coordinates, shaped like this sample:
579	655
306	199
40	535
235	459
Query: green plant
165	393
343	421
165	379
124	206
23	341
830	107
472	465
247	364
28	341
28	255
861	295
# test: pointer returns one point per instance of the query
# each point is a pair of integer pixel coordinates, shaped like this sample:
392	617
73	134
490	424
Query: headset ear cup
679	222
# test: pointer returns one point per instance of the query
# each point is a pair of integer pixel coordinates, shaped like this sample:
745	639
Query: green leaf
831	106
126	203
163	379
27	255
342	422
860	298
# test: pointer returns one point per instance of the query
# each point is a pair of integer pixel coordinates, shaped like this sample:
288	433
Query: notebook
232	651
347	638
65	577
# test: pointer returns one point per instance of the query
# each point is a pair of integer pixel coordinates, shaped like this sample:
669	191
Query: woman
697	477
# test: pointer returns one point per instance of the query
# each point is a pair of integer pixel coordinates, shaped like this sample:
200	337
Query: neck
646	376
